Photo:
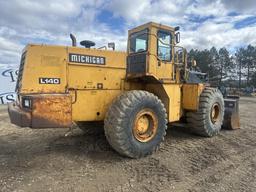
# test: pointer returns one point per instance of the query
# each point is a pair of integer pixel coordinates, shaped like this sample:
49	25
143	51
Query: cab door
164	68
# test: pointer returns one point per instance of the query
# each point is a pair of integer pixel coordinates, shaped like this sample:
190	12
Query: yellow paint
94	87
161	70
170	95
191	95
91	105
87	76
44	61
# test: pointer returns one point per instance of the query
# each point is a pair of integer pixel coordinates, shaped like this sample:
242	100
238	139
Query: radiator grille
20	74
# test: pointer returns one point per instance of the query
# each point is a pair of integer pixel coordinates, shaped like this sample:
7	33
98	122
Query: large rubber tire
120	121
91	127
202	122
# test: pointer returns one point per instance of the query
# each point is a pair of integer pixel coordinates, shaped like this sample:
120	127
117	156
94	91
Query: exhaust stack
73	38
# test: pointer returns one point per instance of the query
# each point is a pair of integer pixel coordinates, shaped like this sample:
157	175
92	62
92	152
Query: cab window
139	41
164	48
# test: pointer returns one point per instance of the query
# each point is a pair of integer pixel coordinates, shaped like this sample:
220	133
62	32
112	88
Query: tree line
236	69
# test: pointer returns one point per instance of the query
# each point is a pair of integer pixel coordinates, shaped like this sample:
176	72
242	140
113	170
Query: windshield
139	41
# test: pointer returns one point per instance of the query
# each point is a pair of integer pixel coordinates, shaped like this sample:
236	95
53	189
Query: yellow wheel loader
135	93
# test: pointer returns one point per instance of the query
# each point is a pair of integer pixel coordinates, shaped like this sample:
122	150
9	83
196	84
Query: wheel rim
145	125
215	113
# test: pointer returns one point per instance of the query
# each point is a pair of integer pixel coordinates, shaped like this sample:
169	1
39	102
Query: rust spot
19	117
51	111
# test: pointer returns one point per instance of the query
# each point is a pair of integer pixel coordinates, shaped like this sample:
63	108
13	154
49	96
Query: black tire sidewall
216	98
156	107
120	118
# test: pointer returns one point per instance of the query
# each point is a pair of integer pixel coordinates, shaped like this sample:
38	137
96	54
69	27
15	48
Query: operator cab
151	52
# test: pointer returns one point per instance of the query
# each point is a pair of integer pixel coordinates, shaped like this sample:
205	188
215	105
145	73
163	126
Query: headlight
26	102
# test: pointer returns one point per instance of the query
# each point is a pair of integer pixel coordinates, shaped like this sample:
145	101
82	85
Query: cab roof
150	25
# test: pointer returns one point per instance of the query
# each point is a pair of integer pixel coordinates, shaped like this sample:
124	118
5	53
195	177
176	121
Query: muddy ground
45	160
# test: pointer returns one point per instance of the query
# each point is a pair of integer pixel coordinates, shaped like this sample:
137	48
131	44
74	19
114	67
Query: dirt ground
46	160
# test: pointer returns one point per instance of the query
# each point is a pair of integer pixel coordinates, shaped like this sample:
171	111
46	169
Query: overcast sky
230	23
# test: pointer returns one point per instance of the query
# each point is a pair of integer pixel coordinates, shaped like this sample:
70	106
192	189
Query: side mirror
111	45
177	28
177	37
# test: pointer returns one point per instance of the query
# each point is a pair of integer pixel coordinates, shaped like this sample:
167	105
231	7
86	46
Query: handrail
105	47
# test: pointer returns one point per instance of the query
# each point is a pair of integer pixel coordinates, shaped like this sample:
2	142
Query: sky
203	23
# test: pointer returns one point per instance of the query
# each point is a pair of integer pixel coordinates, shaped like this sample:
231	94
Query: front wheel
208	119
136	123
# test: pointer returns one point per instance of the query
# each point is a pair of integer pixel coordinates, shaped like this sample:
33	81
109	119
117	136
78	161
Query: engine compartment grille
20	74
136	63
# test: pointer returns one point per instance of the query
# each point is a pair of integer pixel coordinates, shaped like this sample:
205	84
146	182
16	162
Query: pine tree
253	80
214	65
239	63
222	67
225	64
249	62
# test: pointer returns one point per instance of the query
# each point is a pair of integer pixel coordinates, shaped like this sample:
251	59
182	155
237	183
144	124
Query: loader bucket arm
231	115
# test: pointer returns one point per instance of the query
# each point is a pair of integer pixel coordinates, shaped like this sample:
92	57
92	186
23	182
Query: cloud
219	35
204	23
44	22
140	11
130	10
245	6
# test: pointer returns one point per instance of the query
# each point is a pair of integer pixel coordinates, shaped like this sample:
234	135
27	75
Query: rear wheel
208	119
136	123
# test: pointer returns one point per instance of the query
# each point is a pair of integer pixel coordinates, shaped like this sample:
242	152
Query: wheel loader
135	94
